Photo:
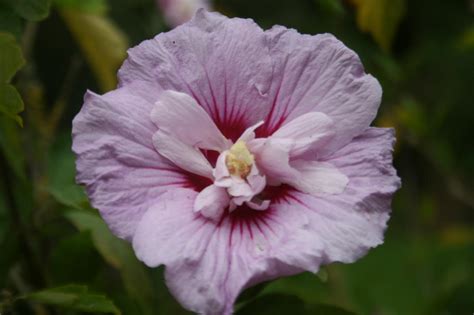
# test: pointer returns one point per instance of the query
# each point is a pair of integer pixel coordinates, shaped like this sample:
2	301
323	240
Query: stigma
239	160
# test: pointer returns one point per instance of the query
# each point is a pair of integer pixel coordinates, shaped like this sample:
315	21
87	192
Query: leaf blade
75	297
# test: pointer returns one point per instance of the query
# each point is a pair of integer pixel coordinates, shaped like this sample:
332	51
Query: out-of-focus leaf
323	309
74	297
102	43
9	21
458	301
251	293
467	40
380	18
271	304
65	255
10	144
458	235
4	217
32	10
332	6
61	174
11	60
305	286
10	102
287	304
10	250
93	6
119	254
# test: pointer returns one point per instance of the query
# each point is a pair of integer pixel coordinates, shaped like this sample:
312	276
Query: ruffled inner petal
311	177
316	178
249	133
182	155
308	131
211	202
180	115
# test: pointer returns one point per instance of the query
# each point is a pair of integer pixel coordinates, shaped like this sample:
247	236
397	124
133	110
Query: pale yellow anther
239	160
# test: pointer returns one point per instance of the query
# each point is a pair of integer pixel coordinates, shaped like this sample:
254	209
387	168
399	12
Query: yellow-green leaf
102	43
380	18
11	59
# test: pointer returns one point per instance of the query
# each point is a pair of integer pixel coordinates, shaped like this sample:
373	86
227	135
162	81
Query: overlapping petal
351	223
207	265
311	177
179	115
211	202
319	73
224	64
181	154
311	130
116	160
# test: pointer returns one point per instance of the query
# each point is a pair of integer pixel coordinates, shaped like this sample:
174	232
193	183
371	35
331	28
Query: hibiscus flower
234	155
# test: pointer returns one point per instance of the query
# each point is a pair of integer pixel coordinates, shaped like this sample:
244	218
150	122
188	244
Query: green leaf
10	22
466	42
74	297
274	304
287	304
10	144
323	309
92	6
11	60
332	6
61	175
458	301
102	43
305	286
70	249
10	102
380	18
4	216
119	254
32	10
251	293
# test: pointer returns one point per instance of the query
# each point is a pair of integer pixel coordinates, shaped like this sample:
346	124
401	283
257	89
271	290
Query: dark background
58	257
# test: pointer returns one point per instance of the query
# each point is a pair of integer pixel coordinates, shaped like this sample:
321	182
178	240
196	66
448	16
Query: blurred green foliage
58	257
11	60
